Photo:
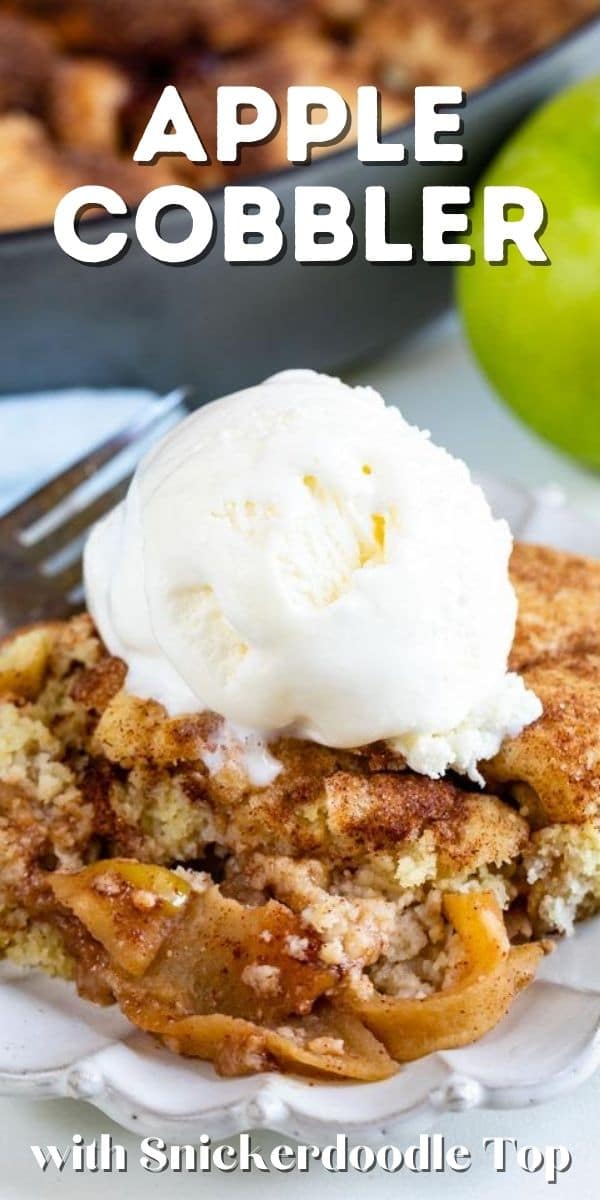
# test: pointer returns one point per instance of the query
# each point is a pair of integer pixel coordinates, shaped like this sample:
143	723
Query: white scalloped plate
54	1044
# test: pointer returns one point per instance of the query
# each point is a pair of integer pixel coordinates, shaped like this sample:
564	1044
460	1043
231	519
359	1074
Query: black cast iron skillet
219	326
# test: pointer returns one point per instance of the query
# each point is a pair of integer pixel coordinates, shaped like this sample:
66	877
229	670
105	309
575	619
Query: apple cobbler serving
296	896
345	917
80	78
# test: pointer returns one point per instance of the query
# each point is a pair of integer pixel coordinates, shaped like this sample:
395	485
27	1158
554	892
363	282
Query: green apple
536	328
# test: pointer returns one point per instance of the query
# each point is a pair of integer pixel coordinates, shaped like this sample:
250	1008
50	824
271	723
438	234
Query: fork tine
40	502
65	581
80	522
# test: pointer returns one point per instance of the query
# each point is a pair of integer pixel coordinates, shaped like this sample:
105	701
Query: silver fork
42	537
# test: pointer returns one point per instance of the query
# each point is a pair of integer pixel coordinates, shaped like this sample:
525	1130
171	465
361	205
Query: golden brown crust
559	604
498	33
27	63
115	26
324	803
86	102
434	42
349	815
554	764
36	172
91	71
383	811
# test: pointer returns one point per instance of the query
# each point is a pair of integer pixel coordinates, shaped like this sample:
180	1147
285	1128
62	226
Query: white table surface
437	386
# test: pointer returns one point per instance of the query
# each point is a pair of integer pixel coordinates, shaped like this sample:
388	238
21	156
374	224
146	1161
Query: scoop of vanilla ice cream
297	558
